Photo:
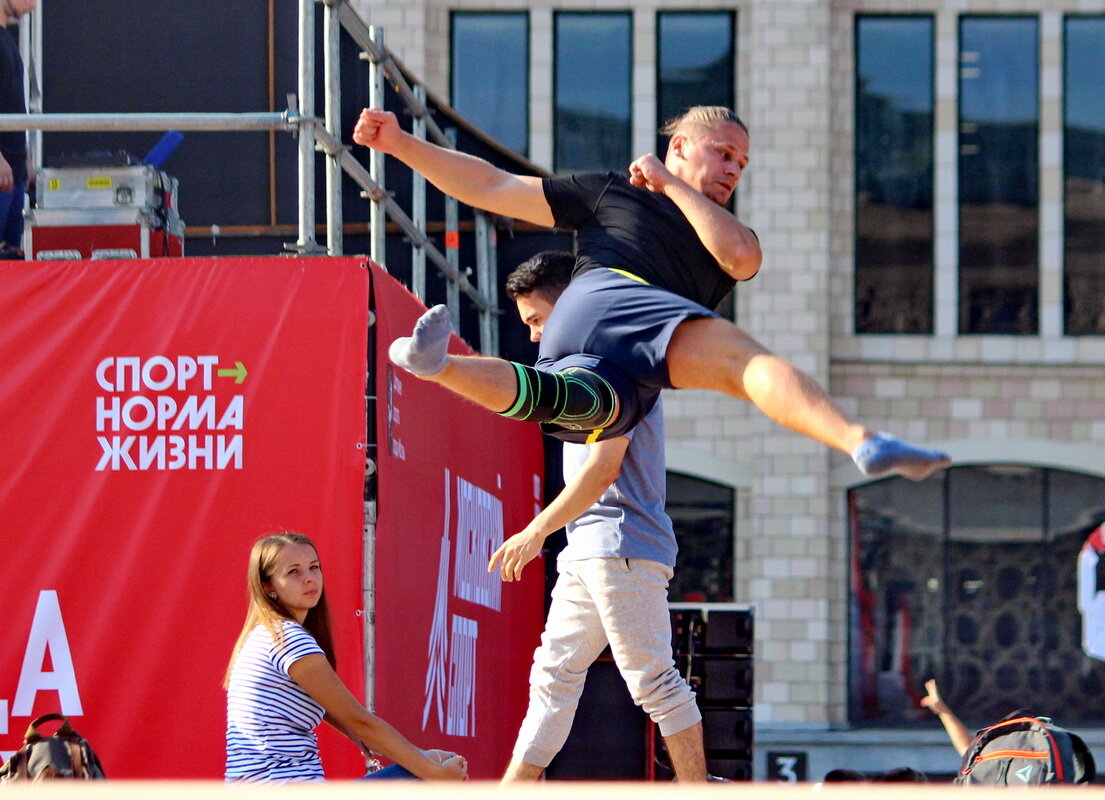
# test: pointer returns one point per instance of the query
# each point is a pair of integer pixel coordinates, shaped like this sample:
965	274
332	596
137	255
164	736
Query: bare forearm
957	731
582	492
729	241
382	738
473	181
453	172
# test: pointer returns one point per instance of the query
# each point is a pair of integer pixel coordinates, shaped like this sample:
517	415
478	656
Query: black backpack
64	755
1026	751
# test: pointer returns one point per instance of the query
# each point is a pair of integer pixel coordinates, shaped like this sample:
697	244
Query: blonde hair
269	611
701	117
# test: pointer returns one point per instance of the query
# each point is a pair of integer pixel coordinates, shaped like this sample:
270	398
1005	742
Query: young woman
281	682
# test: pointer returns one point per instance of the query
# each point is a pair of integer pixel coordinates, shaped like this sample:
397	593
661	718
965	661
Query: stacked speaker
612	739
713	650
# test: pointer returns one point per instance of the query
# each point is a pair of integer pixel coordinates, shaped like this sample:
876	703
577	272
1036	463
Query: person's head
284	582
902	775
842	775
708	149
285	575
535	286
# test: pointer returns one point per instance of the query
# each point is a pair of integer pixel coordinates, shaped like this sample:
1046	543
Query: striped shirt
270	720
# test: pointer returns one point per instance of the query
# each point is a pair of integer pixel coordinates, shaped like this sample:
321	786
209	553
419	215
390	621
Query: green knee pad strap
575	398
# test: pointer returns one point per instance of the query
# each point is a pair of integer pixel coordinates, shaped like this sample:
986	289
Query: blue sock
886	454
426	351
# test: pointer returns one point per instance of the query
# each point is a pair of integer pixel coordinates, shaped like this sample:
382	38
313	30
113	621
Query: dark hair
902	775
549	271
842	775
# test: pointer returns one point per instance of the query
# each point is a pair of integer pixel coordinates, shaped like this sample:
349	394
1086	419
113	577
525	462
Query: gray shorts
625	324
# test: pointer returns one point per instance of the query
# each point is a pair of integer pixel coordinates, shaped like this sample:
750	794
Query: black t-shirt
622	227
13	144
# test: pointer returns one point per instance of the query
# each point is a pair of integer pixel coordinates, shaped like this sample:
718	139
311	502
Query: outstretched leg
710	353
573	398
488	382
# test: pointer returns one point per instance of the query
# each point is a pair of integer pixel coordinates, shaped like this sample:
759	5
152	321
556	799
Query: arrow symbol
238	373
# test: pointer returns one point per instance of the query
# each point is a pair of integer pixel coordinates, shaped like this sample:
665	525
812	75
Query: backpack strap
983	737
1084	761
76	757
33	734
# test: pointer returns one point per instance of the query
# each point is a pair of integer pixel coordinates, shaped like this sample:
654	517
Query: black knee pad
574	398
577	402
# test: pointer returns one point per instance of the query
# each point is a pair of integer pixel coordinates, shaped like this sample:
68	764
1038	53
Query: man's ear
677	144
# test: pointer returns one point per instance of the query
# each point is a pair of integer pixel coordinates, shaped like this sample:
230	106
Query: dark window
999	115
695	53
592	92
703	515
490	74
894	168
972	578
1084	176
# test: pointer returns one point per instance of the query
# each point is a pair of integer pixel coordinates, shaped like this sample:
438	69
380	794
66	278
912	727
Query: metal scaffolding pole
358	173
250	121
418	210
452	241
377	219
332	71
306	243
487	274
318	134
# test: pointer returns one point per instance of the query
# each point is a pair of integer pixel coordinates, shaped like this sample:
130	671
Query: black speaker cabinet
722	681
610	734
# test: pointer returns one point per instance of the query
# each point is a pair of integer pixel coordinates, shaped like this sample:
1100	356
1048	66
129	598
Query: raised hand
378	129
933	701
649	172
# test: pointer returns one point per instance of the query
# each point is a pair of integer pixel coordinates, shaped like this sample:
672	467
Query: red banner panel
453	643
156	418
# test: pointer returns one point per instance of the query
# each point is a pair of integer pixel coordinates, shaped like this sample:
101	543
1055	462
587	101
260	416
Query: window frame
1051	478
561	13
1063	110
962	316
856	21
526	72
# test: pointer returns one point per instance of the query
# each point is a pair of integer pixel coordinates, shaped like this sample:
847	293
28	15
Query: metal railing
323	134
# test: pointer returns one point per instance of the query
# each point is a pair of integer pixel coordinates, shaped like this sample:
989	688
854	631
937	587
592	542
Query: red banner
453	643
156	418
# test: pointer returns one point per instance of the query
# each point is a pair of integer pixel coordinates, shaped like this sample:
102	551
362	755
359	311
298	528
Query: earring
272	595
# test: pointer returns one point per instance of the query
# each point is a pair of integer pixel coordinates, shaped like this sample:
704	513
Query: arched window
974	580
703	513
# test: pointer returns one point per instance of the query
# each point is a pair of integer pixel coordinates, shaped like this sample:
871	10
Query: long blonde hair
269	611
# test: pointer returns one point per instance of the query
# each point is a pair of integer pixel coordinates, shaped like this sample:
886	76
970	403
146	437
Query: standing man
14	171
613	574
657	252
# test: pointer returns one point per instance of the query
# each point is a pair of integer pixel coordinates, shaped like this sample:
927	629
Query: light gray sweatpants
596	601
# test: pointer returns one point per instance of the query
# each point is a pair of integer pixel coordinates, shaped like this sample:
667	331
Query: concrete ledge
408	790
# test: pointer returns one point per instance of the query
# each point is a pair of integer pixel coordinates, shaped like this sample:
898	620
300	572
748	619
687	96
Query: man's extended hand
515	553
649	172
378	129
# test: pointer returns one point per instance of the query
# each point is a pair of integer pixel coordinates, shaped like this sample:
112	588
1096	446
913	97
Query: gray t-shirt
629	520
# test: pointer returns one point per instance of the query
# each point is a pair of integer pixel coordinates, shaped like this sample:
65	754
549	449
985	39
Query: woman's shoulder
281	632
